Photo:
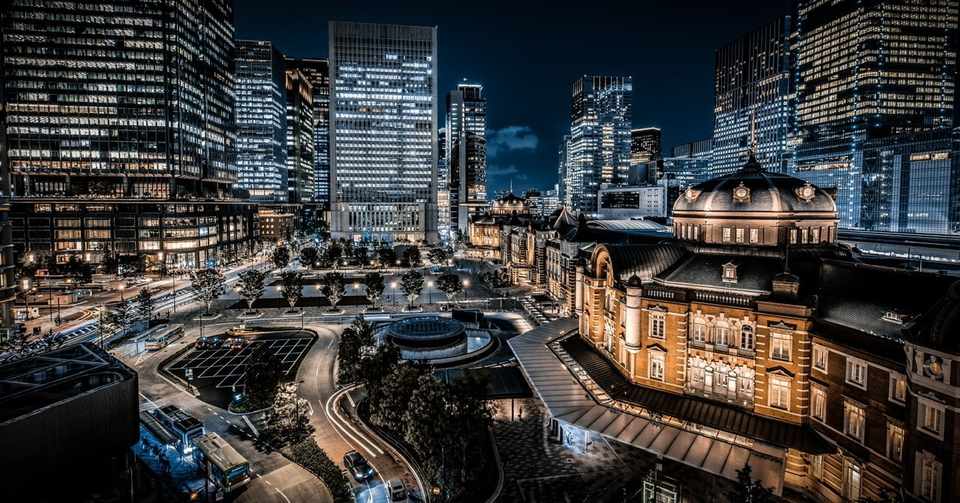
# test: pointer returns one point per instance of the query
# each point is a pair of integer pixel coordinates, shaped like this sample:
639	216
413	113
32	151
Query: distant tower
601	113
261	121
383	132
467	149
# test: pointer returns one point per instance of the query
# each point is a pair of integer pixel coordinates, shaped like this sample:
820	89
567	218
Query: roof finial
511	185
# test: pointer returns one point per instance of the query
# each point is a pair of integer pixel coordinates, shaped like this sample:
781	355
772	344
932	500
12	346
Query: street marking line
268	482
285	498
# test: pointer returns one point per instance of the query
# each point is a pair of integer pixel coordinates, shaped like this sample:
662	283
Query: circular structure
436	340
755	208
426	332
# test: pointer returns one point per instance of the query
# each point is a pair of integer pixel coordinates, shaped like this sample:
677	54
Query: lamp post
466	284
430	292
393	285
26	296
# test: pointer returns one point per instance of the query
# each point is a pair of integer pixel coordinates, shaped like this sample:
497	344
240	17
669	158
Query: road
275	479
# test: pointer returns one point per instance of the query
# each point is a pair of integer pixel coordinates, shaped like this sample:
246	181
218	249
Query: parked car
211	342
358	466
398	491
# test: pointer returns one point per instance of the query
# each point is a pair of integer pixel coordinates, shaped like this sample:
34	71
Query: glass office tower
300	136
121	133
317	72
644	145
910	183
754	100
466	142
261	121
866	70
599	149
383	132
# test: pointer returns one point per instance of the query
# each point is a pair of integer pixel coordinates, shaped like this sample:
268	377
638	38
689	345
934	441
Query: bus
225	466
184	427
158	338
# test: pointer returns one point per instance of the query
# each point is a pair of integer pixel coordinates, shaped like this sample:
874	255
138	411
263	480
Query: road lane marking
285	498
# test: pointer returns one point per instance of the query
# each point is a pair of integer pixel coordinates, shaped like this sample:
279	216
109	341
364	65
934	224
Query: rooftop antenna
511	185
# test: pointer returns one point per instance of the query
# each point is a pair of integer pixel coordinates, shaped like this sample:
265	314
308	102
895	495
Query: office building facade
563	171
910	183
317	72
300	136
754	100
601	113
645	145
261	121
383	132
866	70
466	142
145	122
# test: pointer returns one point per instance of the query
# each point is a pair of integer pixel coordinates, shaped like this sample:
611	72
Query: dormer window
729	273
894	317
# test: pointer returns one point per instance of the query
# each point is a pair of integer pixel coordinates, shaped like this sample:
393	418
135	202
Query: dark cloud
511	138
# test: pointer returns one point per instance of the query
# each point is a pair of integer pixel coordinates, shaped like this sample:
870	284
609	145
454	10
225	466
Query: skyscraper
599	149
866	70
443	186
122	140
466	143
261	121
563	171
753	84
383	118
317	72
300	136
644	145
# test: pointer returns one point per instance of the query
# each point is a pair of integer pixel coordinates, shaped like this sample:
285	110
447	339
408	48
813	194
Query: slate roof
754	274
644	261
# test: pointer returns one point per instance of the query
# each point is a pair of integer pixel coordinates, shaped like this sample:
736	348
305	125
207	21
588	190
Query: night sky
526	56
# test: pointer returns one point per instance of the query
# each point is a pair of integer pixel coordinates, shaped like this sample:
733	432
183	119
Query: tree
412	284
281	257
144	304
309	256
394	397
412	256
387	257
78	270
334	253
439	256
362	256
748	490
423	420
119	315
375	285
450	284
354	338
333	288
290	412
261	377
292	287
209	285
251	286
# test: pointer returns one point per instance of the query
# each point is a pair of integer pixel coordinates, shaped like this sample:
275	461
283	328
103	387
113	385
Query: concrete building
754	100
466	142
861	76
630	201
383	132
645	145
317	72
104	171
300	137
261	121
601	114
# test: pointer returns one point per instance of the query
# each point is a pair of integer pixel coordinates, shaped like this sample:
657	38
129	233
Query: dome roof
752	189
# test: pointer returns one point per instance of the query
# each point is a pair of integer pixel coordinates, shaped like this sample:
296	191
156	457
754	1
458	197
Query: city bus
225	466
184	427
158	337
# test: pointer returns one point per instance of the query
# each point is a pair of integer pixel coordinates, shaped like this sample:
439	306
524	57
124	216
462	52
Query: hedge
311	456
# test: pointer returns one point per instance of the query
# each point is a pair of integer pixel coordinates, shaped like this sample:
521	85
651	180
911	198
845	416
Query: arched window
723	335
746	337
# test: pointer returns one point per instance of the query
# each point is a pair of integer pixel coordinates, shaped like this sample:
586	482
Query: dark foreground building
67	421
129	106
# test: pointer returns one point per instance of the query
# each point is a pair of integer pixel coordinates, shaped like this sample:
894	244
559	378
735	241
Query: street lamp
394	286
430	292
26	296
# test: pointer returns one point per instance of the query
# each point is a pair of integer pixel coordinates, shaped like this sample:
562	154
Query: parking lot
217	371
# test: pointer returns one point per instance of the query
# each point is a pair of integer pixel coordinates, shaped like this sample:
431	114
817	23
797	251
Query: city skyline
526	123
